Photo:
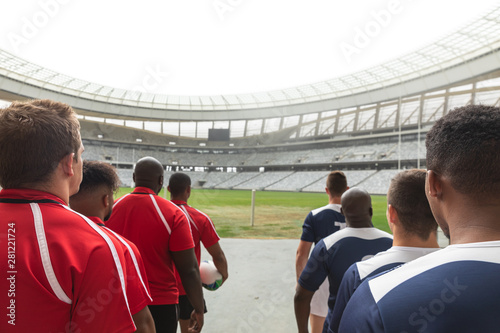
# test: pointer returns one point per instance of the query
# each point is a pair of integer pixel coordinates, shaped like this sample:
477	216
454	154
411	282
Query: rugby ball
211	279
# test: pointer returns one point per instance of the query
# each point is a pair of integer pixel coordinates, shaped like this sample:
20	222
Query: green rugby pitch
277	214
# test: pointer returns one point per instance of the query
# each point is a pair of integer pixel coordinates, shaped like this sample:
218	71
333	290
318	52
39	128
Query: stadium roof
478	40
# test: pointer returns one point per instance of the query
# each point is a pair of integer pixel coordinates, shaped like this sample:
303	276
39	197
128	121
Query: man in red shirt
95	201
203	230
161	232
59	271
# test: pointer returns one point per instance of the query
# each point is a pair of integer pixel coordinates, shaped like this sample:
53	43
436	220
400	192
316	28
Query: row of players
403	282
66	270
360	250
65	273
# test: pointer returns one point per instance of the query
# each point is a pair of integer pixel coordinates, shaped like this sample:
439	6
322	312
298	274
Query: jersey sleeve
209	235
95	303
316	269
349	283
181	238
308	230
361	313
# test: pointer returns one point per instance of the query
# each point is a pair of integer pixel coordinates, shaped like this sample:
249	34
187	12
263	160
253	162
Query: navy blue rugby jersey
362	270
334	254
322	222
452	290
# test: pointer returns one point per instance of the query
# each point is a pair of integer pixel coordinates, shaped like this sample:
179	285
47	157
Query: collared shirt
203	230
157	227
358	272
452	290
136	279
61	272
333	255
322	222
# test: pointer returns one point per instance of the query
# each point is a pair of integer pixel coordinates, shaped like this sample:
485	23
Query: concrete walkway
258	295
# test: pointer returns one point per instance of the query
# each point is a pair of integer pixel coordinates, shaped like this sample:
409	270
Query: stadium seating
292	179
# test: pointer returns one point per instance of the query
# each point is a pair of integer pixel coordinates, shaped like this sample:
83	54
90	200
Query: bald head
357	208
148	172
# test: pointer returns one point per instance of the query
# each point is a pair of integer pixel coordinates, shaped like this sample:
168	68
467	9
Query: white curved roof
475	40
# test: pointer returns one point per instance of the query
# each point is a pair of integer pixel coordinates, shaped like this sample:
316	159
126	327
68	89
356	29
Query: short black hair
407	196
464	146
178	183
336	182
96	174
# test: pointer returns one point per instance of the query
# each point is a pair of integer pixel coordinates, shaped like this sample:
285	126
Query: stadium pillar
252	214
419	125
399	133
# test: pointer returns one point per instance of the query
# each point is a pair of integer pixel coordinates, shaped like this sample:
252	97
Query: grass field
277	214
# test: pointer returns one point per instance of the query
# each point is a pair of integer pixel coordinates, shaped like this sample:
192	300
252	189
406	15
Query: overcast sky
213	47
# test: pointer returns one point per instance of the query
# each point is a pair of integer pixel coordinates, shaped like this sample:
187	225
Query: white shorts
319	302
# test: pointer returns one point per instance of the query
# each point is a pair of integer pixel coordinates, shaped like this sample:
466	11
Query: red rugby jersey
62	272
136	279
157	227
203	230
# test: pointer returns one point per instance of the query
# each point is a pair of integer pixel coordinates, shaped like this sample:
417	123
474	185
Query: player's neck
334	201
56	187
479	223
155	188
178	198
401	239
90	211
480	231
359	224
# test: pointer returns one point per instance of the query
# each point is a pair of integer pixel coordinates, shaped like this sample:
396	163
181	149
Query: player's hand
195	322
224	278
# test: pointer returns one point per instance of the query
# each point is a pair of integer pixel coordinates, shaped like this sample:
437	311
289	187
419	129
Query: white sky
214	47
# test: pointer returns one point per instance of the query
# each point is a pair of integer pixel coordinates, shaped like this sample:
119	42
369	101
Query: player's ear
67	164
105	200
434	184
392	214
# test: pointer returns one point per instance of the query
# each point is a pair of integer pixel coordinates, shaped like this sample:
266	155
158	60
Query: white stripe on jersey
160	214
363	233
114	253
341	225
126	195
211	223
396	254
134	259
334	207
381	285
189	217
45	255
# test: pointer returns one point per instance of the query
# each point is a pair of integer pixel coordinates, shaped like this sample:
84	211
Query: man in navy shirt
414	230
335	253
455	289
318	224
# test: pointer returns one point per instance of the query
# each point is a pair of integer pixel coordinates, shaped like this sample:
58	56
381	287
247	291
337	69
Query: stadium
371	124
